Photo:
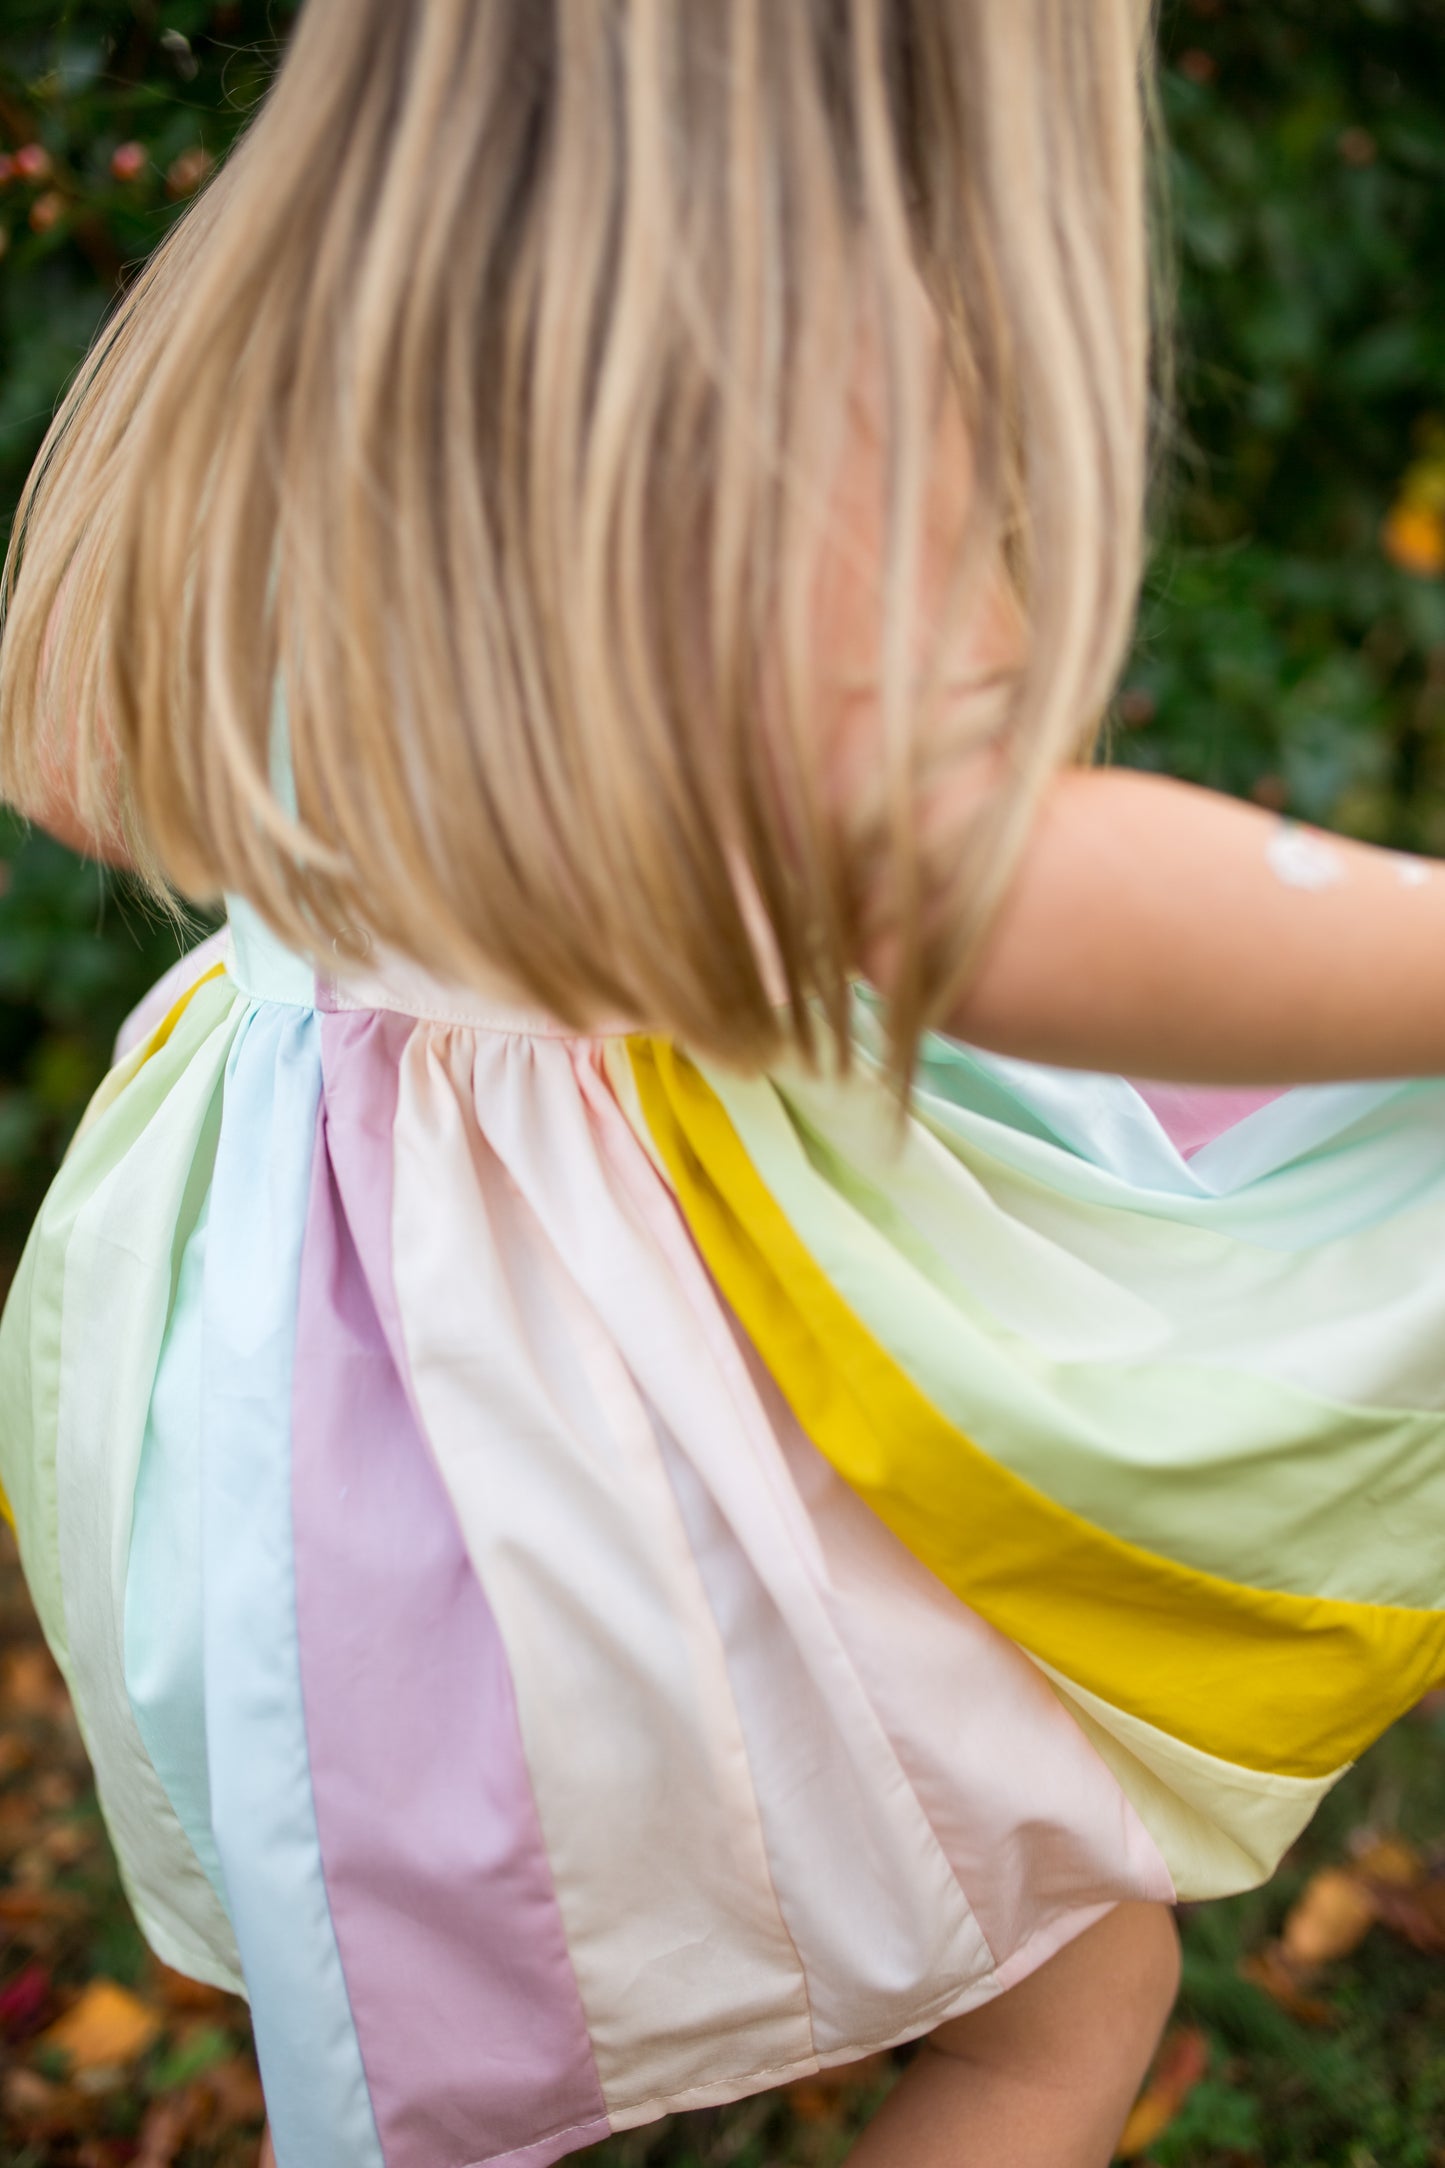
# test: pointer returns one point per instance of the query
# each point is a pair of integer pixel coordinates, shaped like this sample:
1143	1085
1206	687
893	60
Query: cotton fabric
594	1585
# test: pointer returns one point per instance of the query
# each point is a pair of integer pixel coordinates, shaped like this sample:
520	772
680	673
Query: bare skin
1158	930
1151	929
1044	2076
1149	932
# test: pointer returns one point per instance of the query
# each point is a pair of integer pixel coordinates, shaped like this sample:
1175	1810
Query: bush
111	114
1292	641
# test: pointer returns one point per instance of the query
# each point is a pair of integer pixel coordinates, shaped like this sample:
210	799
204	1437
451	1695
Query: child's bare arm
1160	930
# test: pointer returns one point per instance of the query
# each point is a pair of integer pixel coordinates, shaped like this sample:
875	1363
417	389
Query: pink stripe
461	1985
1193	1115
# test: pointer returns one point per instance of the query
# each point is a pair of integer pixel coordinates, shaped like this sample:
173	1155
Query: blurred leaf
1180	2064
1332	1918
105	2029
25	2003
828	2095
1285	1984
1415	1912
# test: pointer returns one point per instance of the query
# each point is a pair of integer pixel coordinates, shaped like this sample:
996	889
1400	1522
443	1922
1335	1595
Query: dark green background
1280	653
78	945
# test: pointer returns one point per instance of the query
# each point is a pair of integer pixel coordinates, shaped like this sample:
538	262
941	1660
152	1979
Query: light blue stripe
163	1610
262	1806
1308	1173
1323	1162
1104	1120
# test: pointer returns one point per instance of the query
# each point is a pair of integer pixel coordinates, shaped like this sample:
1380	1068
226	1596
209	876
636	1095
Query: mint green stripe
164	1611
79	1343
1318	1164
30	1327
122	1261
1354	1321
1393	1156
1237	1474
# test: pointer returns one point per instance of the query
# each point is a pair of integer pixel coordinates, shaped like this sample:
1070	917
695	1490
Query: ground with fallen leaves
1310	2033
106	2059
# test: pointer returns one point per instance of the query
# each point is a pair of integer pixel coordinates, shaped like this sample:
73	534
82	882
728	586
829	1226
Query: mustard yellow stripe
176	1011
1289	1684
116	1079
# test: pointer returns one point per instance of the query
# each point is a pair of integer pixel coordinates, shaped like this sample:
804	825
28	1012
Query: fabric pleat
164	1589
108	1261
263	1812
1259	1677
441	1892
595	1585
565	1507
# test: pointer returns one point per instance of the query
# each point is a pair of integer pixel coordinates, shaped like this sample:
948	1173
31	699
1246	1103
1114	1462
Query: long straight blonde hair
484	417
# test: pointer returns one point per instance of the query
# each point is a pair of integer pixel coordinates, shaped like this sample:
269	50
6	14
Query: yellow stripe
176	1011
115	1080
1291	1684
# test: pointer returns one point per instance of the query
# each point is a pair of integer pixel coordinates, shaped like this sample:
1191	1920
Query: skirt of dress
593	1586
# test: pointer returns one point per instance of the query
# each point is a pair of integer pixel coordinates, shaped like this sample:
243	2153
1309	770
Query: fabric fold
595	1584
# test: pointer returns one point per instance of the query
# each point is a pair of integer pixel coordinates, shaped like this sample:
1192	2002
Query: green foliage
1281	652
1285	651
1370	2087
125	104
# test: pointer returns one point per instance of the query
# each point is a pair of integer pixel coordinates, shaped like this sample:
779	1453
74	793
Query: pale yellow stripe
1220	1828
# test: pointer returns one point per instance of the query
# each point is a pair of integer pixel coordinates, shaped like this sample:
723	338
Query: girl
628	1513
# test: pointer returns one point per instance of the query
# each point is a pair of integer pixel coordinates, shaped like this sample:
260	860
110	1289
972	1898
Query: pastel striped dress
593	1586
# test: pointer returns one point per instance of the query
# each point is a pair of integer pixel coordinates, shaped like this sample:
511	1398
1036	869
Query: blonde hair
488	406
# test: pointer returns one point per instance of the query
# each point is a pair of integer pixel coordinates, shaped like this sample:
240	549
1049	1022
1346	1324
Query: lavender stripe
461	1985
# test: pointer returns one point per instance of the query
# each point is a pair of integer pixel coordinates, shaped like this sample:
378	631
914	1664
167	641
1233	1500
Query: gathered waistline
264	969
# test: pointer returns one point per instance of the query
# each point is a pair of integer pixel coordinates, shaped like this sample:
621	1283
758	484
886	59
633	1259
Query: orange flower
1413	537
